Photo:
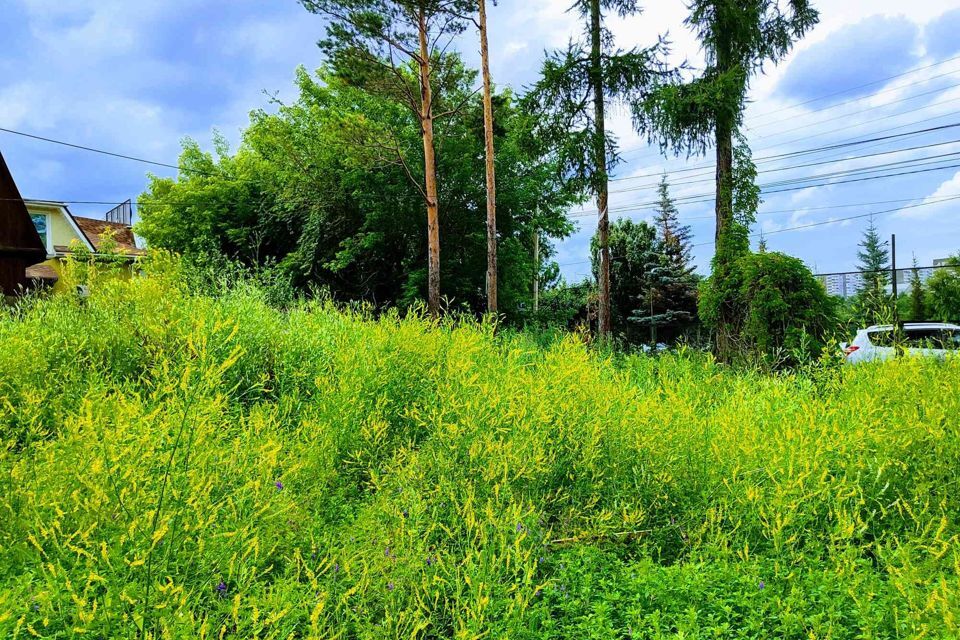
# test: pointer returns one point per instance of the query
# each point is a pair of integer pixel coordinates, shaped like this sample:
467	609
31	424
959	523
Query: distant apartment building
846	285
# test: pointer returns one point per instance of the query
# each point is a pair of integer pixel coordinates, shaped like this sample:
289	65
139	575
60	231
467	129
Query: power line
873	108
861	86
898	270
870	95
94	150
851	142
842	91
708	197
838	220
815	224
798	166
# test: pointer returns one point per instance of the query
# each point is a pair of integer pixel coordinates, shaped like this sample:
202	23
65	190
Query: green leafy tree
943	292
571	97
738	38
873	303
669	306
394	49
299	193
635	257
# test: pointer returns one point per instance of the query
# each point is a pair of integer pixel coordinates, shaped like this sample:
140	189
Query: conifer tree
570	99
874	257
668	306
375	44
738	38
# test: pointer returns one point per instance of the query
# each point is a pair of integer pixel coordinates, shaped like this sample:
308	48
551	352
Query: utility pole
893	272
536	269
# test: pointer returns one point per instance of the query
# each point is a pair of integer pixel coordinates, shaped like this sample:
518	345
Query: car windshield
917	338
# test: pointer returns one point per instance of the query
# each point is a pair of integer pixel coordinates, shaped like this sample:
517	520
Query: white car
883	342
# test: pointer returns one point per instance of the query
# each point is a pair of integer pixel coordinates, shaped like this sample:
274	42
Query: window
918	339
41	222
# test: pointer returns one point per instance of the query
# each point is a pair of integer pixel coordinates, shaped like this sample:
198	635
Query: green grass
187	466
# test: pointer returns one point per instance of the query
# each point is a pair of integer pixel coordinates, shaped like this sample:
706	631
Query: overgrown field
185	466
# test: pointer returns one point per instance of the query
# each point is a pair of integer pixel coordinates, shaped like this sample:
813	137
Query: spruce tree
873	302
668	305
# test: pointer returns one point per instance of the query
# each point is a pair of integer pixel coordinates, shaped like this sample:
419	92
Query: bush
176	465
943	293
784	314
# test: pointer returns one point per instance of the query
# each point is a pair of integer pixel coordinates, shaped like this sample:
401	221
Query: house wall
61	231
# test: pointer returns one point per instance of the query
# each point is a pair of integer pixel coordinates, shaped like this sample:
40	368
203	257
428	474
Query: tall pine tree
738	38
571	99
873	303
668	307
394	49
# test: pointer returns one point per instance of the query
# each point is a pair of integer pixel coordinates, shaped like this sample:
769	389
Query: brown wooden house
20	244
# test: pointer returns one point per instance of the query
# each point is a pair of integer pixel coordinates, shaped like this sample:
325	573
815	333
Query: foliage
565	307
943	293
669	304
635	254
563	97
873	303
190	466
301	193
787	314
918	305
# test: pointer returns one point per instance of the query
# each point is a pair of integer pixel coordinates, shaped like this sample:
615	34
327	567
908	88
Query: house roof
42	272
94	231
18	236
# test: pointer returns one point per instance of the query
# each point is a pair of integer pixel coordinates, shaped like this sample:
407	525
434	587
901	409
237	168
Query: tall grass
187	466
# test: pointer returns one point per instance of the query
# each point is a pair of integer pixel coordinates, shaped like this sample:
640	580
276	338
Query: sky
138	77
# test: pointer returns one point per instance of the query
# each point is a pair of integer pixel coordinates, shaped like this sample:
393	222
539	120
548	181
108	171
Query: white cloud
937	205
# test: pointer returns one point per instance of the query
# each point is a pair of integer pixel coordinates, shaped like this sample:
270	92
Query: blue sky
137	77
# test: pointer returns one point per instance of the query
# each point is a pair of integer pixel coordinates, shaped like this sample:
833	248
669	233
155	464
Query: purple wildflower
222	589
430	561
336	567
762	585
390	586
278	485
520	527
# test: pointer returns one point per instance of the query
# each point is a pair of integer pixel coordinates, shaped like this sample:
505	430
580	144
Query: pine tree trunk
724	255
430	173
725	251
724	205
600	152
491	176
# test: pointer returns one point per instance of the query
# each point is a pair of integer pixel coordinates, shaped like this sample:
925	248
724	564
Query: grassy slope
319	474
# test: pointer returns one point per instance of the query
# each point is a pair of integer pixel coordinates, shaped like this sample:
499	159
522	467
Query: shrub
784	315
177	465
